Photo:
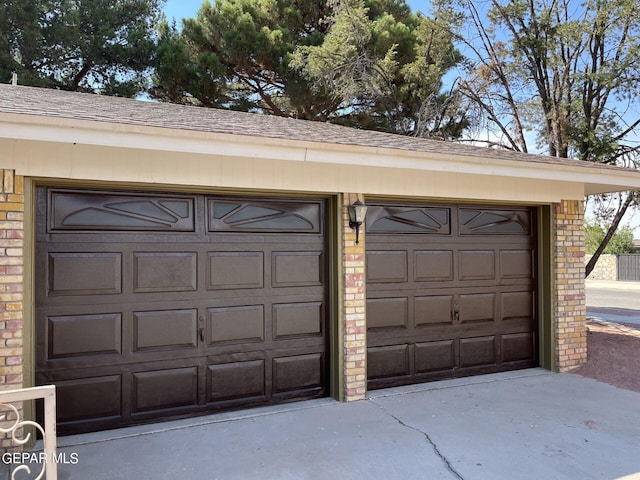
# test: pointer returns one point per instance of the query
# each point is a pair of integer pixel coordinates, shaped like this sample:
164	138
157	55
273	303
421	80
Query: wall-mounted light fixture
357	212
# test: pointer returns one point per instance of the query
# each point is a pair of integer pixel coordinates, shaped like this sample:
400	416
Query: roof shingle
97	108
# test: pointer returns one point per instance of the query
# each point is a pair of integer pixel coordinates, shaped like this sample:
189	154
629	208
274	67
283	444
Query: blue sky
180	9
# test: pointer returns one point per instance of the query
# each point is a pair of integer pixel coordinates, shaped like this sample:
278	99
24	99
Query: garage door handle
201	330
456	316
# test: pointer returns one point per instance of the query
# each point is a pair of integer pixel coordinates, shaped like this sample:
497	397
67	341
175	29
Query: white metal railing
47	460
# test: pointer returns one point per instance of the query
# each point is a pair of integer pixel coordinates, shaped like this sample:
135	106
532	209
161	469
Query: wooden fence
629	267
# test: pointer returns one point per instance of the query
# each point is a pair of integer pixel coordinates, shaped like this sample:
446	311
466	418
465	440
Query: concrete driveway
530	424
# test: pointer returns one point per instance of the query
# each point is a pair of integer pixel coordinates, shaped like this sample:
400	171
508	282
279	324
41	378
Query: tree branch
609	235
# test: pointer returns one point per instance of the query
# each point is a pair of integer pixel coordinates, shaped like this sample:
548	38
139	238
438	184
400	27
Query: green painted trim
546	289
28	303
336	294
28	253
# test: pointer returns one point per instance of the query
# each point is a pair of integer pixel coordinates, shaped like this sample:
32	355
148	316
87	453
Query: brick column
11	284
354	303
569	296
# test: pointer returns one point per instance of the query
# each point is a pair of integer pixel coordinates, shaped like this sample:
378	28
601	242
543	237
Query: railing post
48	393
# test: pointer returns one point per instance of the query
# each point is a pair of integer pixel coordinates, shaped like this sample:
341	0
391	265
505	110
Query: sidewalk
613	285
530	424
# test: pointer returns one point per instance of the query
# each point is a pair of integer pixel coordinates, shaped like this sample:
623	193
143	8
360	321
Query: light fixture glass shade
357	212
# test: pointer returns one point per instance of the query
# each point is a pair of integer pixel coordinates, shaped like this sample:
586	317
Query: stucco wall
323	173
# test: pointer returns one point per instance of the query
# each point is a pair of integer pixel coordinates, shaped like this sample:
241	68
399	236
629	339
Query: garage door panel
299	372
516	264
165	271
477	351
89	398
236	380
433	266
170	329
253	215
417	219
235	270
85	273
389	361
387	267
518	347
80	335
489	221
477	265
164	389
293	269
478	307
434	356
387	313
433	310
298	320
239	324
82	210
517	304
135	332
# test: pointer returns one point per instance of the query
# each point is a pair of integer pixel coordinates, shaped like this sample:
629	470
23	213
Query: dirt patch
613	354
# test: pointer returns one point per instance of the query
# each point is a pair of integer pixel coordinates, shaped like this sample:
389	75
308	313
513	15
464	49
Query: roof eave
63	130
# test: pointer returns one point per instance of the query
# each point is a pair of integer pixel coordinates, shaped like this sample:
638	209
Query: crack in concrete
435	448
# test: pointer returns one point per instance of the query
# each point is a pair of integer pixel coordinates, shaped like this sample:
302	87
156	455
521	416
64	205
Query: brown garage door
450	291
152	306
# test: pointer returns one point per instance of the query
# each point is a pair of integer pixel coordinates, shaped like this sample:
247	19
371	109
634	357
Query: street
614	301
